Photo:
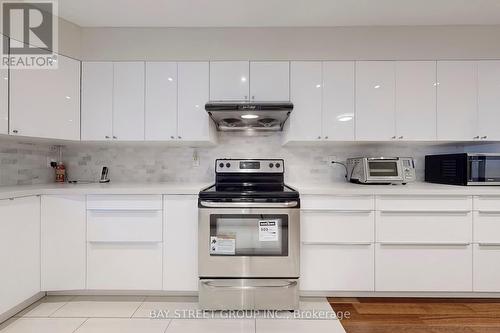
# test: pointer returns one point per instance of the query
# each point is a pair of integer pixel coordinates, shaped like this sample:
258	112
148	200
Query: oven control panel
249	166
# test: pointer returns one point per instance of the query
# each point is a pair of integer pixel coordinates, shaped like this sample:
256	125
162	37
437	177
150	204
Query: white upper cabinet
97	101
416	100
194	124
306	82
457	100
338	100
229	80
128	101
161	101
4	101
375	100
488	76
45	103
269	80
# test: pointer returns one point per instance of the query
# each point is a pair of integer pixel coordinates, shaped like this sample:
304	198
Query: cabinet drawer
424	226
337	267
486	272
124	226
124	202
423	268
319	226
487	227
487	203
124	266
424	202
330	202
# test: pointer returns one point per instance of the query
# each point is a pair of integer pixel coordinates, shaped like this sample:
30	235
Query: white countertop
193	189
111	188
418	188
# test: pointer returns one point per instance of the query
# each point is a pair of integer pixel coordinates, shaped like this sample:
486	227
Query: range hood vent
238	116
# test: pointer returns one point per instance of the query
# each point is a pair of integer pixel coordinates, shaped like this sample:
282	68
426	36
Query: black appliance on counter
463	169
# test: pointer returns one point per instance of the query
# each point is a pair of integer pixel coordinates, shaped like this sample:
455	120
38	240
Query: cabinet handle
180	137
319	137
326	137
427	243
253	97
15	131
114	137
107	136
489	244
476	137
172	137
246	97
401	137
484	137
336	211
426	212
394	137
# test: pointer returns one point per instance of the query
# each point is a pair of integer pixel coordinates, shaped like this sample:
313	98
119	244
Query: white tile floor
131	314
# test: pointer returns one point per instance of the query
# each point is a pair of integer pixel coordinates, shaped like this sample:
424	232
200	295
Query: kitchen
126	164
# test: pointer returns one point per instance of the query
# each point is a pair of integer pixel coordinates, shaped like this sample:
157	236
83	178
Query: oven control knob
228	165
221	165
278	165
271	165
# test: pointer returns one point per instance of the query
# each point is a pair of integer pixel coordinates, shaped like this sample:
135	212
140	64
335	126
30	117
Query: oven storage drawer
423	267
423	203
249	294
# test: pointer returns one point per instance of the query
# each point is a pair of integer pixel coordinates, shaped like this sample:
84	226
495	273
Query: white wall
400	42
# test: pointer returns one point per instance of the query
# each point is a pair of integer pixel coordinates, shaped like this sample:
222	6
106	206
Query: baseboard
23	305
398	294
122	293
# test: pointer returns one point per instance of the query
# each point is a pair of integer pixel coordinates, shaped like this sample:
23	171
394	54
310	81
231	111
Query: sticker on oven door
268	230
223	245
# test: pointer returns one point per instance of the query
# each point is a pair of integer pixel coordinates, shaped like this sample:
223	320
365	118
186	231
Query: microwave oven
463	169
381	170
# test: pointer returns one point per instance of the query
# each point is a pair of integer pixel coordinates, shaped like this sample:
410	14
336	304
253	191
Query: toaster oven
381	170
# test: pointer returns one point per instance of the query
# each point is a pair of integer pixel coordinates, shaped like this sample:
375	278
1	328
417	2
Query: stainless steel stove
249	234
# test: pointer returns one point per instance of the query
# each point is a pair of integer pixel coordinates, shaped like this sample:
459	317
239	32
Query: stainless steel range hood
237	116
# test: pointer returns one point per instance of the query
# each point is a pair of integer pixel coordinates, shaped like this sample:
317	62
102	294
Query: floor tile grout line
168	325
142	302
76	329
59	308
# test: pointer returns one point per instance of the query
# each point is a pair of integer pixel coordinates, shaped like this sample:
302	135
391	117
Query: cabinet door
19	250
338	100
128	101
180	256
488	76
63	242
339	267
97	100
193	121
269	80
45	103
4	101
161	101
457	100
306	84
416	100
375	107
229	80
486	273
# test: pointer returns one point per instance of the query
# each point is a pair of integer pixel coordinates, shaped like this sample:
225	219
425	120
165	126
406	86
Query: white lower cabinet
337	267
180	257
486	272
124	249
19	250
63	242
420	267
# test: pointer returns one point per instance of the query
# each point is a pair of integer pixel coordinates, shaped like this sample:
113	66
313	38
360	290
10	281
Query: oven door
383	170
484	169
248	242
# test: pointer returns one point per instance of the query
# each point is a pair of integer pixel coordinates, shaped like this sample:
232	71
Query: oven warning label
268	230
223	245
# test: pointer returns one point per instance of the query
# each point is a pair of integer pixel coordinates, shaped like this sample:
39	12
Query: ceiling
277	13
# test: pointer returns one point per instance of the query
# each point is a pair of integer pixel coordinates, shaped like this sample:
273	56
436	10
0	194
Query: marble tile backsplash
160	163
25	163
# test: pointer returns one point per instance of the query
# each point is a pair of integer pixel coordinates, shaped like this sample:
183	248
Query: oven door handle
213	284
286	204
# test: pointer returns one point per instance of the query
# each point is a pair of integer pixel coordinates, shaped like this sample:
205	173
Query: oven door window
383	169
484	169
248	235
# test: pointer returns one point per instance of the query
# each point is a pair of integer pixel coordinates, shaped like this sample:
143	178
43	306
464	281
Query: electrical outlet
49	161
196	159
